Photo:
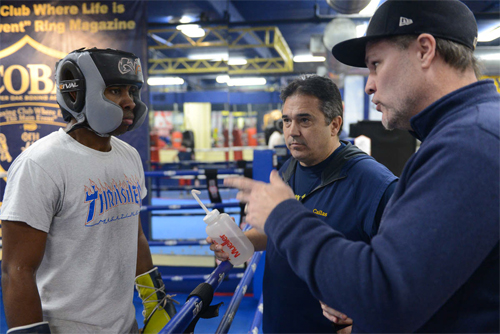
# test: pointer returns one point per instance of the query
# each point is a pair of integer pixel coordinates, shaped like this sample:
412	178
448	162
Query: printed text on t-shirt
104	197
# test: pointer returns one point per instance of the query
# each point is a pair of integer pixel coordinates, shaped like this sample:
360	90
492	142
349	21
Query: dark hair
454	54
322	88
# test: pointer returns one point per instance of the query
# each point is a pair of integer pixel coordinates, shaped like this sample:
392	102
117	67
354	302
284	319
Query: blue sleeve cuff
276	218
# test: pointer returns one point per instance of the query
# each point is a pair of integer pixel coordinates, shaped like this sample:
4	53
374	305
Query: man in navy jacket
434	266
337	182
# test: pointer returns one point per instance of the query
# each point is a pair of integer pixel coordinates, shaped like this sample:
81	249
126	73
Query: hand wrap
36	328
158	306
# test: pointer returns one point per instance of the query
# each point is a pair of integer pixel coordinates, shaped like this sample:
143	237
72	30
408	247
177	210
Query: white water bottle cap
212	216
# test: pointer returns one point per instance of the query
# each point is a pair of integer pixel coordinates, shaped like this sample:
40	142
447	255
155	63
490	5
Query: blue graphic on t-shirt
103	197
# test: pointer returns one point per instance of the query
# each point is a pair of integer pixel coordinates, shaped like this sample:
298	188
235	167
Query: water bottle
222	229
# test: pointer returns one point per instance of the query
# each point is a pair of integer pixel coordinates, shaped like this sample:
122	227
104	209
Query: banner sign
34	36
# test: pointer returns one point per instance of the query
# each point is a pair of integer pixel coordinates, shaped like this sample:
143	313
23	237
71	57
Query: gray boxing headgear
86	74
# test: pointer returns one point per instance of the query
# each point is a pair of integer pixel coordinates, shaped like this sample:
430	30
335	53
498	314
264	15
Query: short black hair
324	89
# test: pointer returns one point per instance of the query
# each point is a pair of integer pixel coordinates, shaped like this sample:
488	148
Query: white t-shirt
88	202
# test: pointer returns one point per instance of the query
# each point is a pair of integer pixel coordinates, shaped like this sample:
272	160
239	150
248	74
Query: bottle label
229	245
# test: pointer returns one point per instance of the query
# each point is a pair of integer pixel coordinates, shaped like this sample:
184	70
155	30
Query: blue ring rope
190	206
182	278
179	242
194	163
170	173
257	319
180	188
227	319
191	308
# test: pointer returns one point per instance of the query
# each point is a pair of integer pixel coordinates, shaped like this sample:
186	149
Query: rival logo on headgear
68	85
126	65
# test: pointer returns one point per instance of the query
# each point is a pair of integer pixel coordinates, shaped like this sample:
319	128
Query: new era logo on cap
403	21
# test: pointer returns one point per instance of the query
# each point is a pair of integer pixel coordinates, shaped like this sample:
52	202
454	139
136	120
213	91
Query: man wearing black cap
434	266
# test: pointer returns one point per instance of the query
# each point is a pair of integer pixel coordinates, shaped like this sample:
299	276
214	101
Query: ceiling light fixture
187	26
209	56
165	81
489	35
370	9
308	59
237	61
222	78
185	19
247	82
191	30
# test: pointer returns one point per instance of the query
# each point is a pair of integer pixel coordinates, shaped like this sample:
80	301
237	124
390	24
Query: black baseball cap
446	19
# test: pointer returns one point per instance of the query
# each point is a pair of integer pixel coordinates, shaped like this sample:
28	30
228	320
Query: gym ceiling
264	34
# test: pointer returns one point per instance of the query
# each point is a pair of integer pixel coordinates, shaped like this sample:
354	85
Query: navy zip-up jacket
434	266
353	187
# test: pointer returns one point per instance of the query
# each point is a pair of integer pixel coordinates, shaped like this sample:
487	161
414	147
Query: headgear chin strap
83	75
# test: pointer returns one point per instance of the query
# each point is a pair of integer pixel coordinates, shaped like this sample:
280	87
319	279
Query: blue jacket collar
333	171
423	123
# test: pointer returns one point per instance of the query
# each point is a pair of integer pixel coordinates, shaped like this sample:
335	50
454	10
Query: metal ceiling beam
242	38
185	66
175	39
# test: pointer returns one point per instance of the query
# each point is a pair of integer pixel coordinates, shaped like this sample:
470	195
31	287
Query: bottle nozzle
194	192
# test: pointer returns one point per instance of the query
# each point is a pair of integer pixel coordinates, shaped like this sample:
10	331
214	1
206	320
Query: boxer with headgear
72	237
82	77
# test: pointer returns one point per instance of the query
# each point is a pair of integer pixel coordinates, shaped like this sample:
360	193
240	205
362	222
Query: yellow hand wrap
158	306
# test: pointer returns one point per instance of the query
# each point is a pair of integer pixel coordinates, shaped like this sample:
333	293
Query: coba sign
32	79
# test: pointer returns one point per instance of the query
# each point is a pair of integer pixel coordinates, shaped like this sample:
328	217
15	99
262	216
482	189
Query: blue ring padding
190	309
227	319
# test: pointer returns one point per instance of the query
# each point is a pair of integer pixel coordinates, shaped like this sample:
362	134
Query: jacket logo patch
319	212
298	197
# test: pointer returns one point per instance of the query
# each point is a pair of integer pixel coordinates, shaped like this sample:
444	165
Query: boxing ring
192	308
200	298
